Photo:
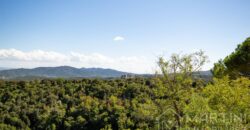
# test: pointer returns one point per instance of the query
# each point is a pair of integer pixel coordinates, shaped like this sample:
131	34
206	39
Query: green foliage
224	103
219	69
239	61
177	78
77	104
236	64
229	96
7	127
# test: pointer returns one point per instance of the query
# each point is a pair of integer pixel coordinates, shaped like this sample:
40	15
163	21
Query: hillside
61	71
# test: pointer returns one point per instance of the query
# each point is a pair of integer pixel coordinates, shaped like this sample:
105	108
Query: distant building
127	76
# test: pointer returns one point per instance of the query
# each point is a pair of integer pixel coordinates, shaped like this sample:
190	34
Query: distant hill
4	68
74	73
59	72
206	75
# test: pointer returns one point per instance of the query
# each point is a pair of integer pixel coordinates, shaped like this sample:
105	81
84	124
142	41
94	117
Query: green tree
236	64
6	127
219	69
225	102
177	78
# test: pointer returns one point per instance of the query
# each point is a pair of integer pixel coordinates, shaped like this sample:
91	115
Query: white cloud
19	59
119	38
35	55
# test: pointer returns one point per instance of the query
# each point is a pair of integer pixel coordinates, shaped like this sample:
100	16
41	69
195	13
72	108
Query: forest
173	99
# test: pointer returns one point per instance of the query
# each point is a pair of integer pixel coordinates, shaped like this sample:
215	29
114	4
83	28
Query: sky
127	35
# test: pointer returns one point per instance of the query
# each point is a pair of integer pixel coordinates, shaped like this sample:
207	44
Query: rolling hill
61	71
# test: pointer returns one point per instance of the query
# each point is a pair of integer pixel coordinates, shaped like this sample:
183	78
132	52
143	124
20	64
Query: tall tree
235	64
177	77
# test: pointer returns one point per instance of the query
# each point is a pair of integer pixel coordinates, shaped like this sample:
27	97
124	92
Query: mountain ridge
61	71
73	73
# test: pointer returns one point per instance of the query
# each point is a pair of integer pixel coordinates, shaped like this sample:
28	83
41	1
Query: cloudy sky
126	35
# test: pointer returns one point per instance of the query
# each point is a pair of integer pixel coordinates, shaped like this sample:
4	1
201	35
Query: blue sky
146	28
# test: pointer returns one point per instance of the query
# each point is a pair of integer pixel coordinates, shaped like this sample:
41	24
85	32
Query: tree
235	64
177	77
219	69
225	102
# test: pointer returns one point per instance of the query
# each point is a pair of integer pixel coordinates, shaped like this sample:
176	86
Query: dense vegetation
173	99
236	64
118	104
